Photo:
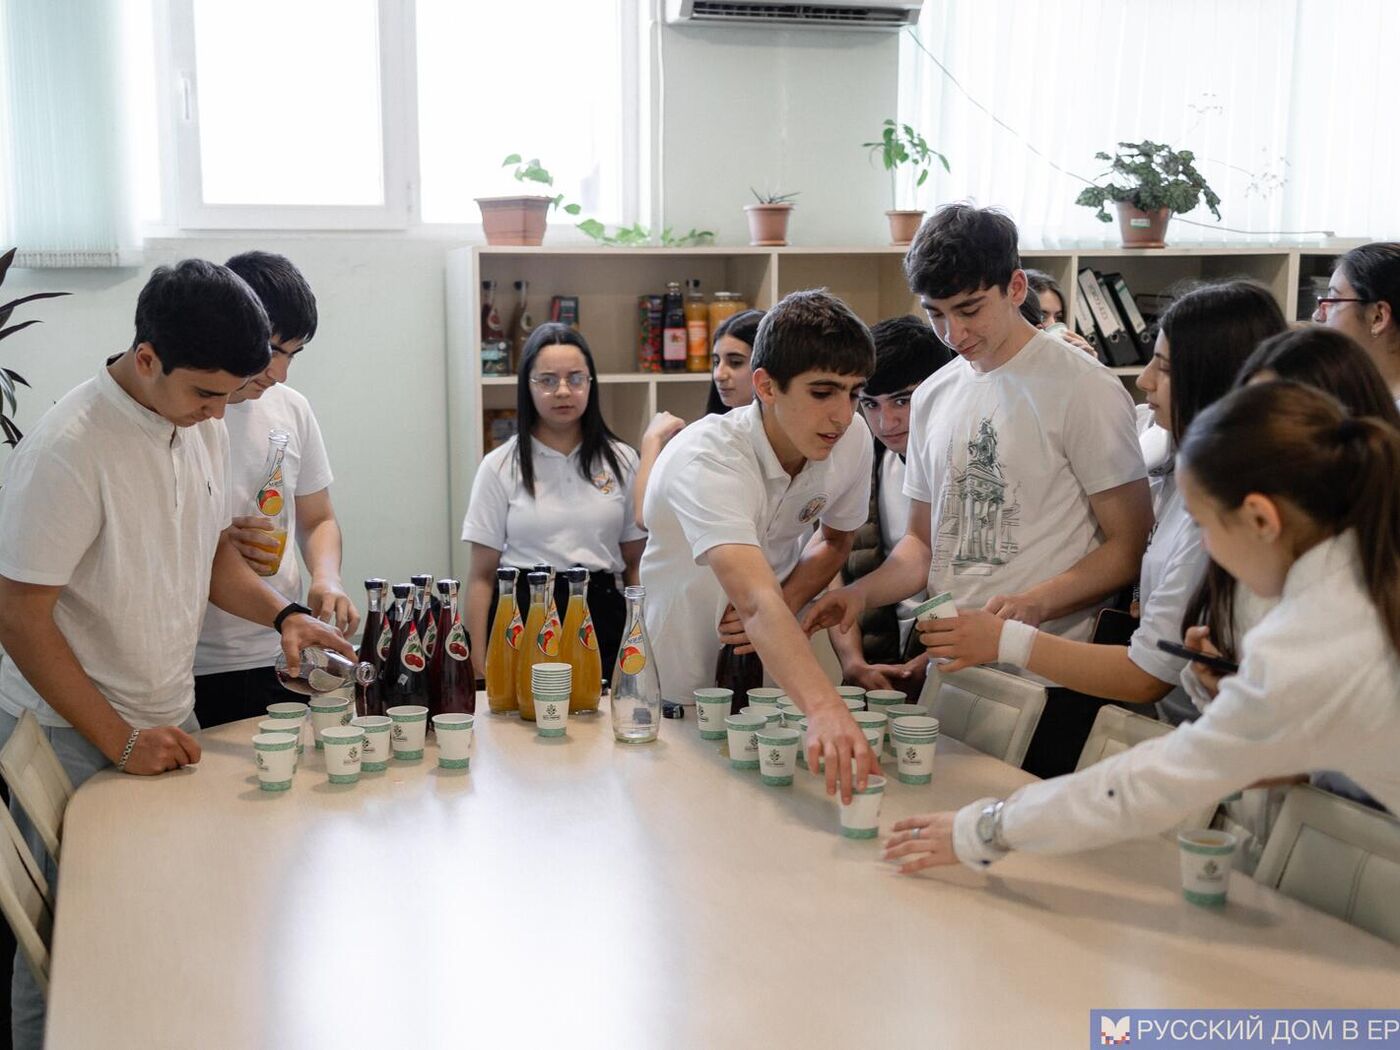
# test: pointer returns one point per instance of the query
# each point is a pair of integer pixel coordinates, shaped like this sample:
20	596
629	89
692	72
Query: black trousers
1063	729
605	603
232	695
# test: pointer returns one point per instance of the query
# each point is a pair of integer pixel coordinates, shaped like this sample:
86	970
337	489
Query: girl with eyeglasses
559	493
1363	301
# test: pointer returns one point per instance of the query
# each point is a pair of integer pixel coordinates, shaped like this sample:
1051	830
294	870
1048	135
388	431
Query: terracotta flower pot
514	220
768	223
904	224
1142	229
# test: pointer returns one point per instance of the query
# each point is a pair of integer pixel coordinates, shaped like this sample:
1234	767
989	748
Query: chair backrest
25	900
37	780
990	710
1116	729
1338	856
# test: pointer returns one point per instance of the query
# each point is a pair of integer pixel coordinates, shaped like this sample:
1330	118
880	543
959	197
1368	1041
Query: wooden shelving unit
608	281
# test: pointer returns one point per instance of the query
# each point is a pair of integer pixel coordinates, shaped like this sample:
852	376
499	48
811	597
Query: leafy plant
639	236
899	146
1150	175
532	171
775	198
9	378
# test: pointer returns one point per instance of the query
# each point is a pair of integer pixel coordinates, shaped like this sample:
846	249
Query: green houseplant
521	219
900	146
1149	182
768	219
9	378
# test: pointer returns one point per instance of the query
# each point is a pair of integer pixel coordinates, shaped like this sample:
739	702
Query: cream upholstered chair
1115	730
37	780
25	900
990	710
1339	856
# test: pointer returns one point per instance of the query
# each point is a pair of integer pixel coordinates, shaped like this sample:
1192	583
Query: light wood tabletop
580	893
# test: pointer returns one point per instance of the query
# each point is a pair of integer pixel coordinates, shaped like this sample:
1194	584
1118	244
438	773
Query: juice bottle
578	647
636	688
452	666
408	681
367	700
270	501
425	604
521	325
500	647
540	643
674	335
697	328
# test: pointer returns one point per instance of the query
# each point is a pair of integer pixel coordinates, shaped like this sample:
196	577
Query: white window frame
398	120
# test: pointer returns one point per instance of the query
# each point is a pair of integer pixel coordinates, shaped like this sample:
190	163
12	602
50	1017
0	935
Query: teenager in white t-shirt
1206	335
111	539
1363	300
559	493
1300	501
906	353
729	501
1030	498
233	663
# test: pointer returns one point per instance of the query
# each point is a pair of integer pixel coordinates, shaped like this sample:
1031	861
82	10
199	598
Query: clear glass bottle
322	671
270	501
636	688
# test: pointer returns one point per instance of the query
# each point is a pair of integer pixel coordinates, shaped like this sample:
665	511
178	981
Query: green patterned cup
551	713
764	696
743	738
275	755
711	709
377	749
873	724
287	711
454	739
1206	860
409	731
777	755
329	710
344	747
770	715
861	819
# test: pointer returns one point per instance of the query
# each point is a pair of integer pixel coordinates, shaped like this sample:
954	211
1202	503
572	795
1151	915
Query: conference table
577	893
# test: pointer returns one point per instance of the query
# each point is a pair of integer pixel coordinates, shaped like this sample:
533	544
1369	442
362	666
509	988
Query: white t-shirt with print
569	521
123	511
1007	460
718	482
228	642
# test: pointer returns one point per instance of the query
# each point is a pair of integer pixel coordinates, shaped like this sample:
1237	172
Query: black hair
1297	444
203	316
1374	271
1040	281
812	331
598	444
962	248
1031	311
906	353
742	326
1212	329
285	295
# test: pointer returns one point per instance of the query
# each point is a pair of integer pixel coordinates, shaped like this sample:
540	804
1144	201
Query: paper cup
777	755
344	747
288	710
275	755
454	738
851	692
1206	859
765	697
791	716
328	711
409	731
376	752
861	819
873	724
712	707
800	724
894	711
914	757
771	715
280	725
742	730
551	714
854	703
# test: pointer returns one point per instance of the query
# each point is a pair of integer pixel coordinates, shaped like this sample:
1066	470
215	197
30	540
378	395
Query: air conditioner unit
813	14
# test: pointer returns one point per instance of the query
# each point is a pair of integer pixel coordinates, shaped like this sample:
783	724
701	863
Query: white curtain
1287	104
66	166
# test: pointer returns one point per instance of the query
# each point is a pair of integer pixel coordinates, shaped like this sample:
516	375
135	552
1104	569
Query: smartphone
1215	663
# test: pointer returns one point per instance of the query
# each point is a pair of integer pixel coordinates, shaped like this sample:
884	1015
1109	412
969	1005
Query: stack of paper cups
550	684
915	737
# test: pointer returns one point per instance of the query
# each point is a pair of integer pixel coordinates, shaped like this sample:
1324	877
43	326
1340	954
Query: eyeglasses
1324	304
549	382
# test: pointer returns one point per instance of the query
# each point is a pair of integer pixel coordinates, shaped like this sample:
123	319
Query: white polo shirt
228	642
1007	460
569	521
122	510
717	482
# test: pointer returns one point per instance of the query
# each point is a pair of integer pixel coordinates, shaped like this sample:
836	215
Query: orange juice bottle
500	648
578	647
271	501
539	644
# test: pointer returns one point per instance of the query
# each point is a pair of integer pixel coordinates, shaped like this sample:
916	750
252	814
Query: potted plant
1151	182
900	146
9	378
768	219
521	219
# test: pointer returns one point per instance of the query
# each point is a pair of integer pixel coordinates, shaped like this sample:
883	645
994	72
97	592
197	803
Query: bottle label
586	635
412	654
634	657
548	639
386	638
269	497
457	641
674	344
430	639
516	628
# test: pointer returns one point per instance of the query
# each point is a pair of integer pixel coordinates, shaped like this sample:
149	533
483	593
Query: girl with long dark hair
1363	301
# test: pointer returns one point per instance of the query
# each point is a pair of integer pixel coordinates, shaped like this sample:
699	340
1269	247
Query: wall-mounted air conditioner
813	14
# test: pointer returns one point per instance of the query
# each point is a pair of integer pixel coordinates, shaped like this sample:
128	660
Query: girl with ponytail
1297	500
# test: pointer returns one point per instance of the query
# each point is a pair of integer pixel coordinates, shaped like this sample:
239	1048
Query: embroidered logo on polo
812	508
604	482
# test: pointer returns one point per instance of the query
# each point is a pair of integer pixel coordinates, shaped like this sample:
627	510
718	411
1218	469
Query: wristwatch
989	826
290	609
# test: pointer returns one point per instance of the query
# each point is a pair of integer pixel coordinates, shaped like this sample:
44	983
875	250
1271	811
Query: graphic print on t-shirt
979	512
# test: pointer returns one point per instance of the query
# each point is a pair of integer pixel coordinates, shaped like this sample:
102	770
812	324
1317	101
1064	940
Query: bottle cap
537	578
507	574
374	583
576	575
446	586
402	590
422	579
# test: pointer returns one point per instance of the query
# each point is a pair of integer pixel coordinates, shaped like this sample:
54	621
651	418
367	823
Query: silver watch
989	826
